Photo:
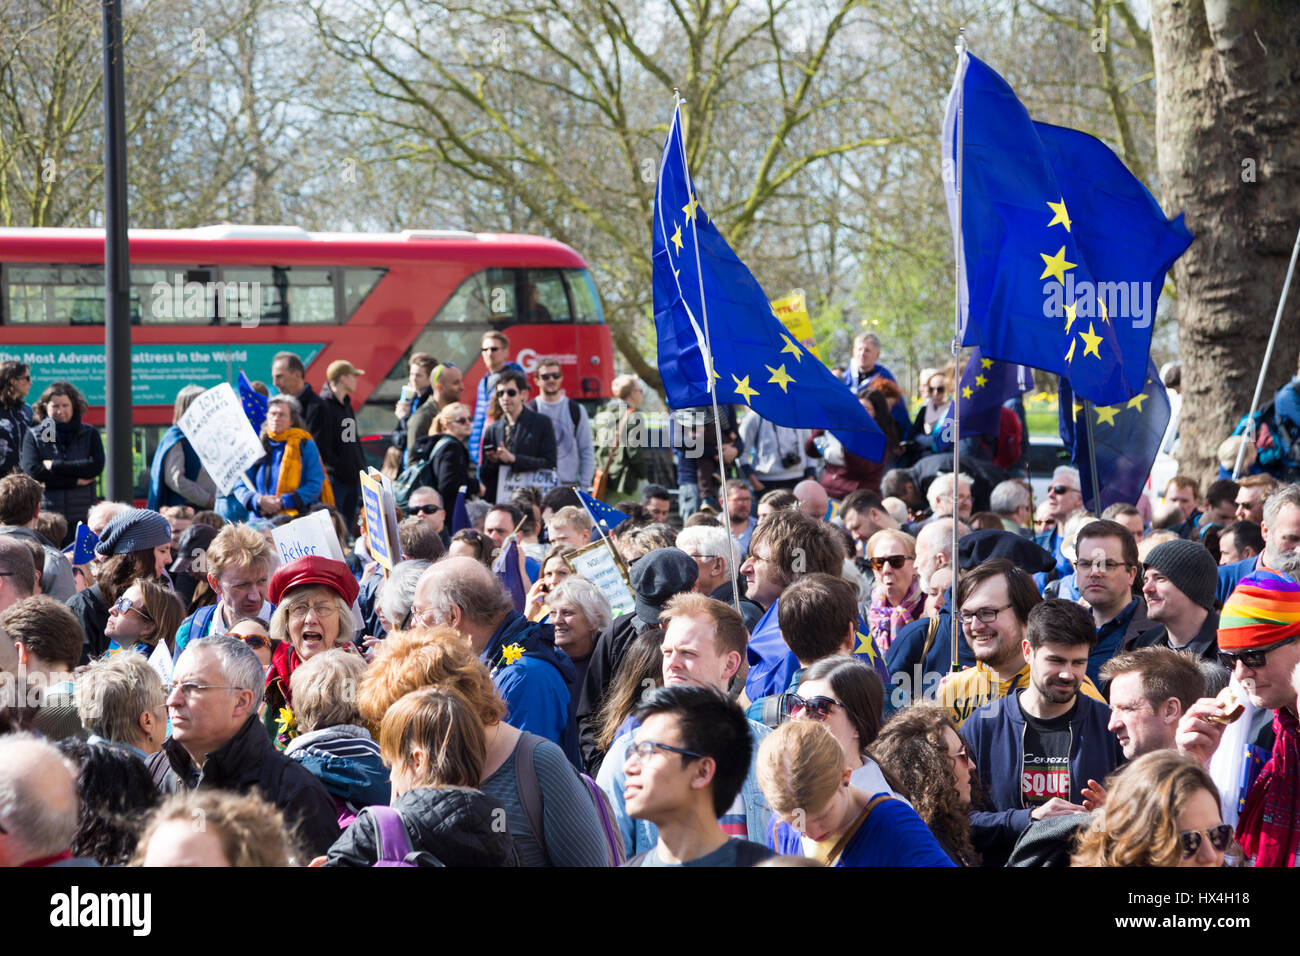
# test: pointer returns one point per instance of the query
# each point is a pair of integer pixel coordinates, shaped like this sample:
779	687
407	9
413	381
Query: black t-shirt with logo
1045	769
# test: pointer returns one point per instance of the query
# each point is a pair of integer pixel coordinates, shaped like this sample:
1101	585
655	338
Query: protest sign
508	482
380	509
312	534
599	565
219	432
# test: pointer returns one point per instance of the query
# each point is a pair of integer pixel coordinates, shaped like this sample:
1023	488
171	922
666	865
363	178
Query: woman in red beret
313	598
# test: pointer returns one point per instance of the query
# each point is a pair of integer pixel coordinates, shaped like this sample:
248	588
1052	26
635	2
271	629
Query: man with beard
1280	527
996	598
1038	747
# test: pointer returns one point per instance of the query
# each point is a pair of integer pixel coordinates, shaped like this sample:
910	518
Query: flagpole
956	355
1249	434
708	364
1092	458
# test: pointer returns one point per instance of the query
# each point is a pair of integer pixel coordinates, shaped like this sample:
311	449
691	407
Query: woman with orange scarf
290	478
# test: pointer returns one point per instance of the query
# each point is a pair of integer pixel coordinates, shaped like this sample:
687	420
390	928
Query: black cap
657	577
978	546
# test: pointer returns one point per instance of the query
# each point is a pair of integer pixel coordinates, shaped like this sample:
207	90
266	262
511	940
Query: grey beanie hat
1190	567
134	530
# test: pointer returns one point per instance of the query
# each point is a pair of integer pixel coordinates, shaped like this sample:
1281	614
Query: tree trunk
1228	148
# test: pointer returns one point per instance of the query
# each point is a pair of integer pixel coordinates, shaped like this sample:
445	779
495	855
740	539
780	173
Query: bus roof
249	245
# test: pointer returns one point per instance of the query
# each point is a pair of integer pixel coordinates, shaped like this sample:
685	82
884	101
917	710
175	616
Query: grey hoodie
56	578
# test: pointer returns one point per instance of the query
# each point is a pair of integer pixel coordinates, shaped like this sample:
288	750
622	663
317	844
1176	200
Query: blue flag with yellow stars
1062	252
985	385
772	665
600	511
254	403
1127	434
698	281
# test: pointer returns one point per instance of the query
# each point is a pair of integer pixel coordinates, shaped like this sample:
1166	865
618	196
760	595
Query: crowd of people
779	690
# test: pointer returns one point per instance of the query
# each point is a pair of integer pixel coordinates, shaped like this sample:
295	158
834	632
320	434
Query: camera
790	459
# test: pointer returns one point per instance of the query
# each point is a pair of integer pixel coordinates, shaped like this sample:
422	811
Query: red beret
314	569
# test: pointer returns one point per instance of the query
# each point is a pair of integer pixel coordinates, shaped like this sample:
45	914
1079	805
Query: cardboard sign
221	436
311	534
508	482
792	310
599	565
380	509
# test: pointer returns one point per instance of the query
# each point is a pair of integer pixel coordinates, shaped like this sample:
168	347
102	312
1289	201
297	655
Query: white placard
221	436
596	563
508	482
311	534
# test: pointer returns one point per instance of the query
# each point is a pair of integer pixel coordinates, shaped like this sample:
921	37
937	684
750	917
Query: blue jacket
850	379
160	494
1230	575
913	678
265	476
893	835
995	736
642	835
1052	540
346	760
536	687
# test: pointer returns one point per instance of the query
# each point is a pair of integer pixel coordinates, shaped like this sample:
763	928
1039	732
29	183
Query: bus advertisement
207	303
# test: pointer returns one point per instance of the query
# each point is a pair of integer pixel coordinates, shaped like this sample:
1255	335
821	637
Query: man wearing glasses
704	647
1259	638
1063	499
493	350
995	598
684	765
1106	566
522	438
575	457
218	743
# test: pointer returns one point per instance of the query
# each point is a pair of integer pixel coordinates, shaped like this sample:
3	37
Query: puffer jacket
345	758
15	420
249	761
455	826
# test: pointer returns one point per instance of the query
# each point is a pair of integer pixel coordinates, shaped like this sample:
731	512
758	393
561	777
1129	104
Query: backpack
1275	441
575	412
416	475
393	843
530	796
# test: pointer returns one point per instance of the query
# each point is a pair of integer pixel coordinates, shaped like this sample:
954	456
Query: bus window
582	292
301	295
357	284
55	295
542	298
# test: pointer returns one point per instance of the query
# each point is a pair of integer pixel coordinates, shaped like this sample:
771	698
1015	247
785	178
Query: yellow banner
792	310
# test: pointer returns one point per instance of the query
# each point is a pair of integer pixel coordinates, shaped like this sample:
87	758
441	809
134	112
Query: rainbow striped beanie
1264	609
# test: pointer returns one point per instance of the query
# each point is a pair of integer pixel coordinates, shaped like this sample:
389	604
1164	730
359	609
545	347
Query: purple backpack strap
605	810
394	843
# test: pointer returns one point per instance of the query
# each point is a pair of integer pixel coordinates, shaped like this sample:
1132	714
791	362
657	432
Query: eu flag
772	665
699	280
506	568
1127	435
459	513
600	511
254	403
82	549
1047	226
985	385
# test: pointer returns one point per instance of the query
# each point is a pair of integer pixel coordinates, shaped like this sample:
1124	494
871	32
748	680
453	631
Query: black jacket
313	409
1204	645
249	761
454	826
91	611
75	452
533	445
450	468
344	460
605	657
14	423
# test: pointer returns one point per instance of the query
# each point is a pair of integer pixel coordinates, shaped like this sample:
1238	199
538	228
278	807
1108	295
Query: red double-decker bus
207	303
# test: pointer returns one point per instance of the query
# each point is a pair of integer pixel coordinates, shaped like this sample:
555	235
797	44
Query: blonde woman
817	812
447	449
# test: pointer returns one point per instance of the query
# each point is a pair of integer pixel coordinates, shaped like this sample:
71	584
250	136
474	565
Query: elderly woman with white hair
397	595
579	612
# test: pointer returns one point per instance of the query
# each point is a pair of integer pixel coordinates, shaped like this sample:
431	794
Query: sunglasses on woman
255	641
1220	837
125	604
895	561
816	708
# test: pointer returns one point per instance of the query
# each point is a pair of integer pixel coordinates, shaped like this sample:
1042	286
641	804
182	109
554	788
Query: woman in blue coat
176	476
290	478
